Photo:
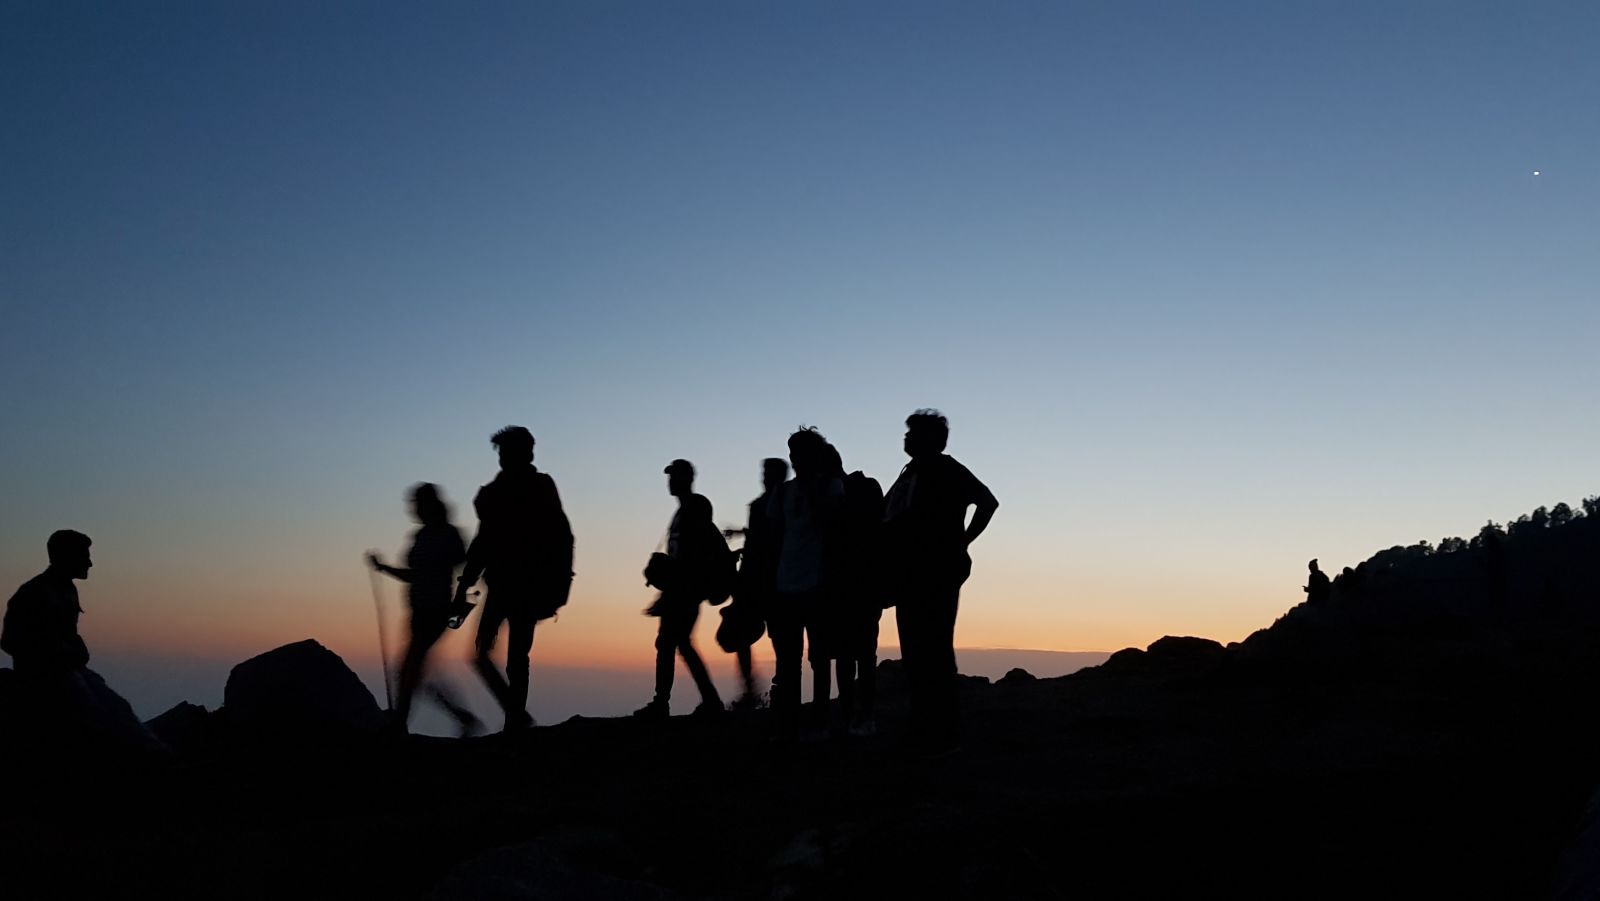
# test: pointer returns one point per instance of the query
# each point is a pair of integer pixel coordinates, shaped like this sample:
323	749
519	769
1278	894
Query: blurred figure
58	692
758	573
523	552
436	550
805	517
693	545
1317	588
926	536
860	599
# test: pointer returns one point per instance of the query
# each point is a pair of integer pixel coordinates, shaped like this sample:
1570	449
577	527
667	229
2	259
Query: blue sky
1206	289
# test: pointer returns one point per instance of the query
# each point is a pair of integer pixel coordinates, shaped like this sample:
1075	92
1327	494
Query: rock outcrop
295	689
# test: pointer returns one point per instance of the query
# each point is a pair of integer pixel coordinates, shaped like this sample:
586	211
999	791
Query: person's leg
944	707
666	651
822	637
466	720
709	698
747	670
489	622
784	628
519	645
821	692
425	632
909	619
867	665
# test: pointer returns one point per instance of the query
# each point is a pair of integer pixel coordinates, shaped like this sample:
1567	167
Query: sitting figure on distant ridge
1318	589
57	689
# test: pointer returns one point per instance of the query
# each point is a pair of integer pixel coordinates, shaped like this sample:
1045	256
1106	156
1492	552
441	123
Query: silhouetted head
774	470
1312	565
680	478
806	451
427	507
515	445
69	553
832	463
927	433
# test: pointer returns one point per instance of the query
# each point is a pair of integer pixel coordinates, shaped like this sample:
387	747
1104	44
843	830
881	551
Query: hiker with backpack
744	620
523	552
805	518
436	550
696	566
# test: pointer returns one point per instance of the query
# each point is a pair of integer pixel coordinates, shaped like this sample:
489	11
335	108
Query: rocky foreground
1325	757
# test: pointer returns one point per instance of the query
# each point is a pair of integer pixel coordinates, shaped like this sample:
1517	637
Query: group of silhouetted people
522	553
824	553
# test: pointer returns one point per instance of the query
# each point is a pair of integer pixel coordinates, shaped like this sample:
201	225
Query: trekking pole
383	632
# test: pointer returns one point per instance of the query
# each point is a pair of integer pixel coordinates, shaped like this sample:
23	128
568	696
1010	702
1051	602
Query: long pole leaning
383	636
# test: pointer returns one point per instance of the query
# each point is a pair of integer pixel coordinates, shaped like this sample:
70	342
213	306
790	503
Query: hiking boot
655	710
516	722
709	709
748	701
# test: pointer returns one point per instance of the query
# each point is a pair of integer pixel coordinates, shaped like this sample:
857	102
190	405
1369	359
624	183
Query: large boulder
298	688
1017	676
1168	657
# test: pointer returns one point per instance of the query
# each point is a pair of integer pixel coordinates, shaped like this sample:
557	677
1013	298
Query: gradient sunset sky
1206	289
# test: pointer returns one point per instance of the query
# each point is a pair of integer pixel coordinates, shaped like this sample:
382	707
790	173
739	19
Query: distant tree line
1542	562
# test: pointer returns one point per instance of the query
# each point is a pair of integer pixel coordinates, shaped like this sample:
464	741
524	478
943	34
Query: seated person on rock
40	633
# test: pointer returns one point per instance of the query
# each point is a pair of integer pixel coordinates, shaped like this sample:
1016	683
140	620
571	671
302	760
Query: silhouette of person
436	550
40	632
692	539
1318	589
805	516
860	599
41	624
758	569
926	535
523	552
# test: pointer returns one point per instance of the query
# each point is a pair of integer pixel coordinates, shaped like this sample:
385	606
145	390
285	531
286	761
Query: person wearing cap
523	552
692	540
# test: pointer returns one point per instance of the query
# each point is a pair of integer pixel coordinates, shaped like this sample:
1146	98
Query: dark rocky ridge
1371	747
1447	766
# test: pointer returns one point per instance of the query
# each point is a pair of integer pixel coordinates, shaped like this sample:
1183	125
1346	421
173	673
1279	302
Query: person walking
695	548
430	565
523	553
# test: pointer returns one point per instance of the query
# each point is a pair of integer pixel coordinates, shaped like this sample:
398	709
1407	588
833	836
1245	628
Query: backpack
722	569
